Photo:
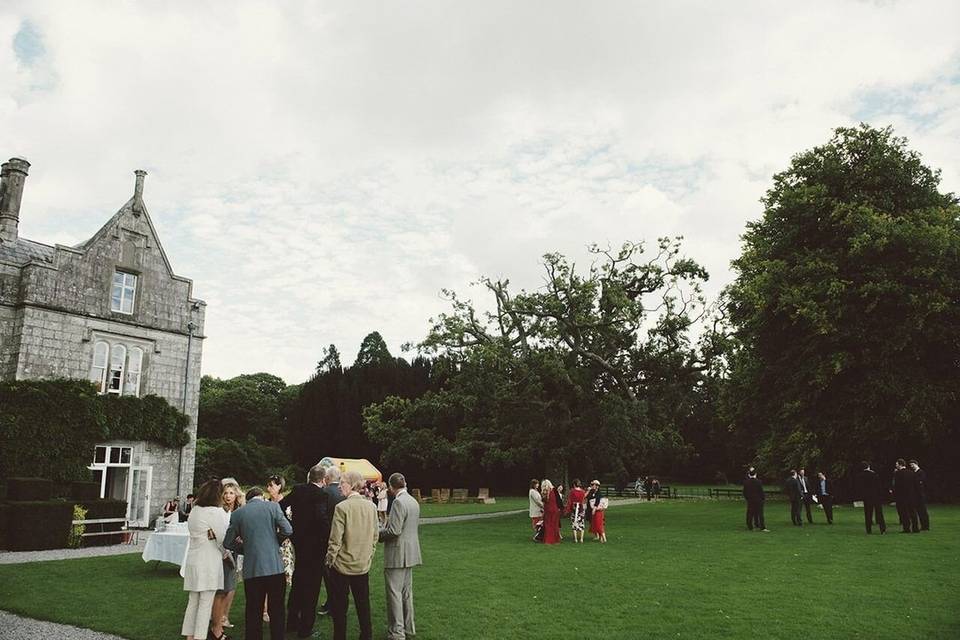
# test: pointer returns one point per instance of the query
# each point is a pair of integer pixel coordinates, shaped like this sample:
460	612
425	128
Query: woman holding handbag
203	568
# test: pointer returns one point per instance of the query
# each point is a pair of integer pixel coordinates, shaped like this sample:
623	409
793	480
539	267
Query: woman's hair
534	483
208	495
576	483
239	501
546	487
277	480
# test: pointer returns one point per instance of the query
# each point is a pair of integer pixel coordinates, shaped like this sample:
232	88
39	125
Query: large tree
847	309
560	379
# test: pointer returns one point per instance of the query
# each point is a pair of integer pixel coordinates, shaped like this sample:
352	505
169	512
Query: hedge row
50	427
36	525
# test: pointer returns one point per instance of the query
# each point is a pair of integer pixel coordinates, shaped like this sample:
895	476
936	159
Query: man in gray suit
256	531
401	553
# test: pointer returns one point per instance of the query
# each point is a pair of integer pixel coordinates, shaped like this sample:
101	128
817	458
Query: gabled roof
133	206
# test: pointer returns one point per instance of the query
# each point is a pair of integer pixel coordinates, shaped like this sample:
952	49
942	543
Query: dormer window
124	290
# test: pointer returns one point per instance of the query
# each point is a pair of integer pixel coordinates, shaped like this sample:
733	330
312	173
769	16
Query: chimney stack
138	192
13	174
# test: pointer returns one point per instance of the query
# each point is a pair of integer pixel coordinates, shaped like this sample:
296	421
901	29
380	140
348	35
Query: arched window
131	385
98	372
118	356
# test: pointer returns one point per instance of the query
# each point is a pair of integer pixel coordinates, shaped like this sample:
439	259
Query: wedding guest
203	566
171	511
275	485
231	499
588	503
333	498
186	506
353	541
382	502
599	527
576	507
922	512
656	488
552	508
255	531
536	503
306	502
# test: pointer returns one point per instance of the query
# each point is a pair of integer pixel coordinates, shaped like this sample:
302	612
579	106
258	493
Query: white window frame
118	370
131	379
126	287
98	372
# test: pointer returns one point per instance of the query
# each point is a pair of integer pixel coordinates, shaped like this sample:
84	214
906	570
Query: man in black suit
905	493
822	490
792	487
753	494
306	503
333	497
867	487
806	493
922	512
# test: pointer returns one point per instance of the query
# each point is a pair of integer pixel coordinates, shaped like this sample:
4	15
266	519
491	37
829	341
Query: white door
138	496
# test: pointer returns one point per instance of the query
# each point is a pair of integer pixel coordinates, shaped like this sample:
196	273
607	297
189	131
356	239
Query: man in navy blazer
256	531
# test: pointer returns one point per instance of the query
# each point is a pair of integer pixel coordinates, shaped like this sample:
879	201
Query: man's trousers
399	588
755	515
339	586
256	590
869	509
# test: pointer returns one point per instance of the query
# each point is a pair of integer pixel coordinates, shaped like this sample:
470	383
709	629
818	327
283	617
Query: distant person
552	508
754	496
186	506
588	502
792	489
648	485
638	487
867	488
275	486
171	511
656	488
203	565
922	513
305	503
383	502
353	540
806	493
401	553
822	490
536	503
576	508
905	492
599	525
256	530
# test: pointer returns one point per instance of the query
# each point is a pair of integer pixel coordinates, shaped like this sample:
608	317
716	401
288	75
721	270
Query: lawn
670	570
430	510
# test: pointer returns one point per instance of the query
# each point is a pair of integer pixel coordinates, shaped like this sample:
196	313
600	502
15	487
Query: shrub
4	519
76	531
29	489
82	490
32	526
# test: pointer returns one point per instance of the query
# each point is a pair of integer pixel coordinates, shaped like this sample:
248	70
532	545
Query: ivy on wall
48	428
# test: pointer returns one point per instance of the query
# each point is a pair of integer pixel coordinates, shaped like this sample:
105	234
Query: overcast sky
322	170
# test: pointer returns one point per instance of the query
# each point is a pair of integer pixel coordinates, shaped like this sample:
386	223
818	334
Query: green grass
669	570
430	510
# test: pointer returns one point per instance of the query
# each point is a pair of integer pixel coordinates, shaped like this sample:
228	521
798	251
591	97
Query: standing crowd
548	506
908	490
322	533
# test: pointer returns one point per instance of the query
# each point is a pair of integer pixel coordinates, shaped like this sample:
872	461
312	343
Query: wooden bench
131	536
416	494
483	496
459	496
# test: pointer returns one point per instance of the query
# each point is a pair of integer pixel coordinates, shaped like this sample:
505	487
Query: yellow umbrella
364	466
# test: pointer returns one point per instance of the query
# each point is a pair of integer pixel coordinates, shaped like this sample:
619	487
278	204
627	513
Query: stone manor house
110	310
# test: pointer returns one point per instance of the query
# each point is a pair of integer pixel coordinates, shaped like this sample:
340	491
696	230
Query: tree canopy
845	308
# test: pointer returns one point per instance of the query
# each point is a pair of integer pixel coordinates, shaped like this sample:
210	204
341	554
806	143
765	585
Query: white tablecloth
168	546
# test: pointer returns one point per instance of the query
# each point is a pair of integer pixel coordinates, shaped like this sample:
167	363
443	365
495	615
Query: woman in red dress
552	508
597	524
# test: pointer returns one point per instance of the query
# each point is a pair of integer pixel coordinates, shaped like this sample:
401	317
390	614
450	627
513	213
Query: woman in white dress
203	569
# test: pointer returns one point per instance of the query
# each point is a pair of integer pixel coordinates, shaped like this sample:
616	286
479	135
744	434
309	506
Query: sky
323	170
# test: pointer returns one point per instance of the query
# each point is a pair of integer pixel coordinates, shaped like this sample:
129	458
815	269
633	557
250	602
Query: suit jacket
866	486
753	490
921	485
815	489
792	487
905	486
401	540
307	503
805	491
261	526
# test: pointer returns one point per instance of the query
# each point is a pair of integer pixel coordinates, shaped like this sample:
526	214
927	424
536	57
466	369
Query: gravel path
19	557
14	627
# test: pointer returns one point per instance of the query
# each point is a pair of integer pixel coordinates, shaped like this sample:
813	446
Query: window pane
127	306
118	278
100	354
118	355
114	455
115	300
125	455
100	455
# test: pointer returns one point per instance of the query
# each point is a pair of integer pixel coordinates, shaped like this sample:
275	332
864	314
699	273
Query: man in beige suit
401	553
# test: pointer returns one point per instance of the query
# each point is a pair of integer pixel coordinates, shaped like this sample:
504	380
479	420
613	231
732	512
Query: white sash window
118	356
131	385
98	372
123	292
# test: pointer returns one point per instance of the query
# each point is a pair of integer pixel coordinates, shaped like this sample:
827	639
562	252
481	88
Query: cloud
321	171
